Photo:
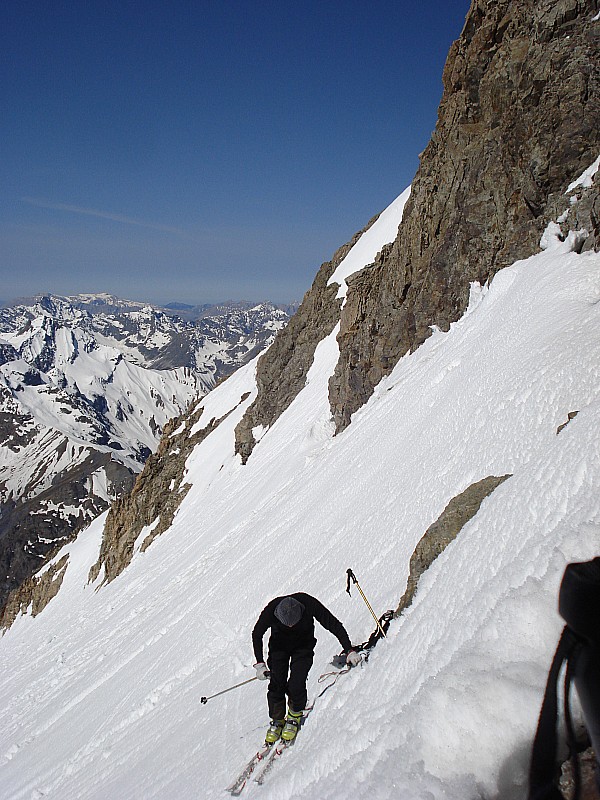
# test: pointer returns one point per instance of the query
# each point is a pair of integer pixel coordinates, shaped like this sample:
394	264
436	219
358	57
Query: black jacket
301	635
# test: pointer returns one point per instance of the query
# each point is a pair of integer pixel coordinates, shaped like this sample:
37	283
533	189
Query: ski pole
352	577
205	700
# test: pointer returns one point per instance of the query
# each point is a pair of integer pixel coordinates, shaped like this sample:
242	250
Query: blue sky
201	151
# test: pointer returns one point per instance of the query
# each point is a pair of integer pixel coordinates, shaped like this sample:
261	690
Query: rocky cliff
282	370
137	518
519	115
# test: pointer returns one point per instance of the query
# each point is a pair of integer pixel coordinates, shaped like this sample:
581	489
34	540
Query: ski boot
292	724
274	731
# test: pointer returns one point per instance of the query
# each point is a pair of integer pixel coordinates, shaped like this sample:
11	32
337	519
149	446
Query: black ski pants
289	672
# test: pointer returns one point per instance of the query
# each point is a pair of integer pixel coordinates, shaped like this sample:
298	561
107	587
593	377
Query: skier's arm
262	623
328	621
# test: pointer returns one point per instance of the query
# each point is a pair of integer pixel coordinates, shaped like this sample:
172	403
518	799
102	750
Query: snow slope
100	694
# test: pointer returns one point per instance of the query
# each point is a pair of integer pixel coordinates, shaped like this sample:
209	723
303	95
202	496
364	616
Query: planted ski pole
352	577
205	700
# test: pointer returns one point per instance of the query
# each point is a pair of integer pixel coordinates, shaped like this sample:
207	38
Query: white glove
353	658
262	673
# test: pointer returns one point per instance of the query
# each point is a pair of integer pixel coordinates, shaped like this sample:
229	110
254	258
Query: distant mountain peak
97	377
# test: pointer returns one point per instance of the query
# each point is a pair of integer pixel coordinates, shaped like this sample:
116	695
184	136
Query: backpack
579	649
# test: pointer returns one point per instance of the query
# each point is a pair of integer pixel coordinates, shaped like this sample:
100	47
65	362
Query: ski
267	753
272	759
237	786
279	748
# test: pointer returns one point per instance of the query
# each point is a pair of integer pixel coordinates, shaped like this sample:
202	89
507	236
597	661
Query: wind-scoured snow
100	694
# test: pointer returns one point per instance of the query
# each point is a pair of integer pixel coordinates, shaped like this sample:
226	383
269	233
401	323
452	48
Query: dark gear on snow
579	647
291	647
383	623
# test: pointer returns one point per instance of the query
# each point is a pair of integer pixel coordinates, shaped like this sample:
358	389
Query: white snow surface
587	176
383	231
100	693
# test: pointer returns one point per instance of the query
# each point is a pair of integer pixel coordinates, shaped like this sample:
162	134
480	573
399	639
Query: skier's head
289	611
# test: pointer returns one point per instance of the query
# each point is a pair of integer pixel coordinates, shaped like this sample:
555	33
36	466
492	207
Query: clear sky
198	151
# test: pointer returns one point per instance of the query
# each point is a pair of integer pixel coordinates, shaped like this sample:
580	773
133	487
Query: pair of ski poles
350	577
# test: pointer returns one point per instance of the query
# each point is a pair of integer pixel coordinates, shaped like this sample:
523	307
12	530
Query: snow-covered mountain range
213	340
429	418
87	384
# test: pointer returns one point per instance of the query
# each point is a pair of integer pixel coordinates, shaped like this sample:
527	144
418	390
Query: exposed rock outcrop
519	117
33	530
155	497
282	370
588	786
35	593
570	416
444	530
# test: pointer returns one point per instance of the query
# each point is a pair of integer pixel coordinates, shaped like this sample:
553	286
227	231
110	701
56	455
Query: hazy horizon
9	302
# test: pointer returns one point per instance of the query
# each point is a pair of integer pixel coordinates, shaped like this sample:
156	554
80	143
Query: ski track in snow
100	694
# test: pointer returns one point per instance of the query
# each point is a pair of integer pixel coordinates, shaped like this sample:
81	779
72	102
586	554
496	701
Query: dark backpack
579	649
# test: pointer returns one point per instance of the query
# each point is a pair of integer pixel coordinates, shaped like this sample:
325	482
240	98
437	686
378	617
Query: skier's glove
353	658
262	673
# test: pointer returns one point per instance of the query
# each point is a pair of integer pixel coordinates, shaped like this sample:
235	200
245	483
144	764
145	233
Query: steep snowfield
100	694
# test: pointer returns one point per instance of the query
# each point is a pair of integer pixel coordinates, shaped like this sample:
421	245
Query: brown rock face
156	495
35	593
588	787
519	119
444	530
282	370
33	530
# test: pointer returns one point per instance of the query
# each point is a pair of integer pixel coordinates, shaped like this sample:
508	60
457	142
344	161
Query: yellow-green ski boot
274	731
292	724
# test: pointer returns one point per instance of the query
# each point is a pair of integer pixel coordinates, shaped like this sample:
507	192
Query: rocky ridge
156	495
34	594
212	340
519	112
517	119
281	371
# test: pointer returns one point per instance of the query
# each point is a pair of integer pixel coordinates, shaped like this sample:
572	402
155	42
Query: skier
291	650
